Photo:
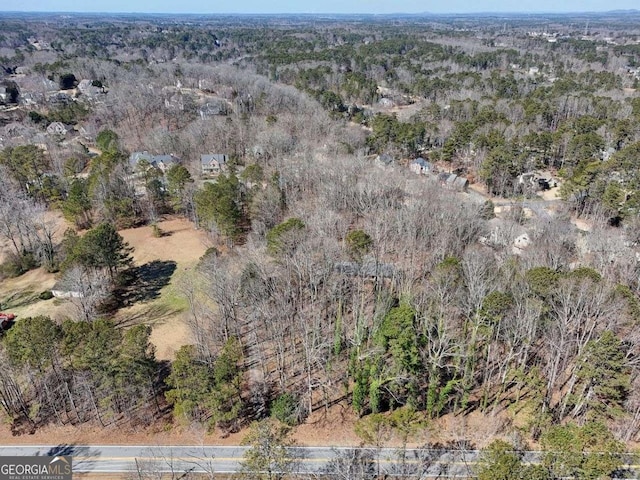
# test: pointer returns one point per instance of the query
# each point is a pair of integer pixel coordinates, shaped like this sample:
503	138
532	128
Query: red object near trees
6	319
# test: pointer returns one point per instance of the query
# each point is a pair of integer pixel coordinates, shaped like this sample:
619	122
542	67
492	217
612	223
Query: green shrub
45	295
287	409
487	211
156	230
15	265
277	234
359	243
36	117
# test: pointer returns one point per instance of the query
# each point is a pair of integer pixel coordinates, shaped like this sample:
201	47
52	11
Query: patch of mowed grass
171	297
20	299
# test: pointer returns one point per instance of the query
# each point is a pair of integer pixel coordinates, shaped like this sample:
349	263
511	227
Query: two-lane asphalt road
122	459
177	459
209	459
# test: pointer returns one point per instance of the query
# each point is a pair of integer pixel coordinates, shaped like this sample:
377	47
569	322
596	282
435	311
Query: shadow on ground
154	314
146	282
19	299
83	456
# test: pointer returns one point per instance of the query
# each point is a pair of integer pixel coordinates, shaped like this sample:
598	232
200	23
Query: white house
57	128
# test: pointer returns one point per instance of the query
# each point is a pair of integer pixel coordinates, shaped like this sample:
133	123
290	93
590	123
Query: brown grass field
181	244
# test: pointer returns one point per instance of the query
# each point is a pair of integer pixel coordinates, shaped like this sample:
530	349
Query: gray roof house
453	182
213	108
57	128
165	162
87	88
136	157
213	163
161	162
420	166
461	184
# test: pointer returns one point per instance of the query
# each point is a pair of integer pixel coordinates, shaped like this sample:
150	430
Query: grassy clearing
171	297
20	299
21	296
166	312
162	262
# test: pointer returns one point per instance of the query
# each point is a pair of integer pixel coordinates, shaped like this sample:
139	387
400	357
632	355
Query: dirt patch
181	242
551	194
169	336
332	427
582	224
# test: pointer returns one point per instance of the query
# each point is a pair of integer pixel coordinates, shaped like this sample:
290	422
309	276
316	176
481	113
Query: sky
316	6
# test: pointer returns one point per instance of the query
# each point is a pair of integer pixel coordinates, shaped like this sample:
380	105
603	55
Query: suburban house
368	268
165	162
453	182
161	162
213	108
57	128
86	87
213	163
461	184
506	234
420	166
534	181
59	98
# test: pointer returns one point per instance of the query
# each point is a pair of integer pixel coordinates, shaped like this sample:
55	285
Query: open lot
161	262
169	256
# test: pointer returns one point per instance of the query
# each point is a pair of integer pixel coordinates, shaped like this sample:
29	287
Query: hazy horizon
324	7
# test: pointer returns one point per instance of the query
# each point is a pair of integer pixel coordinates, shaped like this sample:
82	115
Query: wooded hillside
335	273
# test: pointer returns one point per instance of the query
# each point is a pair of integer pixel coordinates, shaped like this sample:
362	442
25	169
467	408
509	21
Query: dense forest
335	275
